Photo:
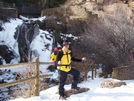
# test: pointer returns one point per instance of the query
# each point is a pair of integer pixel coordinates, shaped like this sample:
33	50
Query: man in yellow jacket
64	59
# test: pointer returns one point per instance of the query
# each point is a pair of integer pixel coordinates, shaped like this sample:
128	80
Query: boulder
78	11
111	84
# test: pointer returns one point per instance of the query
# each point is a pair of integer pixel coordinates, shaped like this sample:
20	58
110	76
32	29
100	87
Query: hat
65	43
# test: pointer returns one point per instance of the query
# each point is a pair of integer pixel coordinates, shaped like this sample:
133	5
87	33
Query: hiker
63	60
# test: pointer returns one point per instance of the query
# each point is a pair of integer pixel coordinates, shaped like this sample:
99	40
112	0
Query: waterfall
24	36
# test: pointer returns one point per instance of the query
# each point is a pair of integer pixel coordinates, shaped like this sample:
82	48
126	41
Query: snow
123	93
69	35
43	52
7	36
32	19
38	44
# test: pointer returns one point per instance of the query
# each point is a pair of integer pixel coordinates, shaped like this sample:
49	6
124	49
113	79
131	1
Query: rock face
111	84
84	9
70	12
131	4
73	15
72	18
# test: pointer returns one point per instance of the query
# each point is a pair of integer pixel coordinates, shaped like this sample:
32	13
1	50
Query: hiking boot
62	97
76	88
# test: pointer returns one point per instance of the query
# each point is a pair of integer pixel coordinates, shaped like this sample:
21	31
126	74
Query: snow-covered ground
123	93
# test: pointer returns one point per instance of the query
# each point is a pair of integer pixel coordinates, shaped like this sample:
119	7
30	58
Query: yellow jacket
65	58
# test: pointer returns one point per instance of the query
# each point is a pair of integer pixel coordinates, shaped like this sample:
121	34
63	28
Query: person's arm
76	60
59	56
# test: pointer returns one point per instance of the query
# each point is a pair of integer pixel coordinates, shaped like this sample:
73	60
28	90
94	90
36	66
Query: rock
100	1
110	9
80	1
70	92
90	6
123	72
78	11
131	4
111	84
51	68
6	53
2	81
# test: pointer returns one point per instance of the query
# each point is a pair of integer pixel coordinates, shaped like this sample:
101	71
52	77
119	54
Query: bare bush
27	88
111	38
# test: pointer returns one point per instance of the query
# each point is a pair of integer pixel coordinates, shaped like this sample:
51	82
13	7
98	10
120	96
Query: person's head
66	45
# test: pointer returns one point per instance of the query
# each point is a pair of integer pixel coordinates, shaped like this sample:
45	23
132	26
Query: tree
36	3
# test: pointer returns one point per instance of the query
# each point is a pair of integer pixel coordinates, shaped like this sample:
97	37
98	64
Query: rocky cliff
75	13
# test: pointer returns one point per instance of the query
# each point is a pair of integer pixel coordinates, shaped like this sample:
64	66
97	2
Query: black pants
63	77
